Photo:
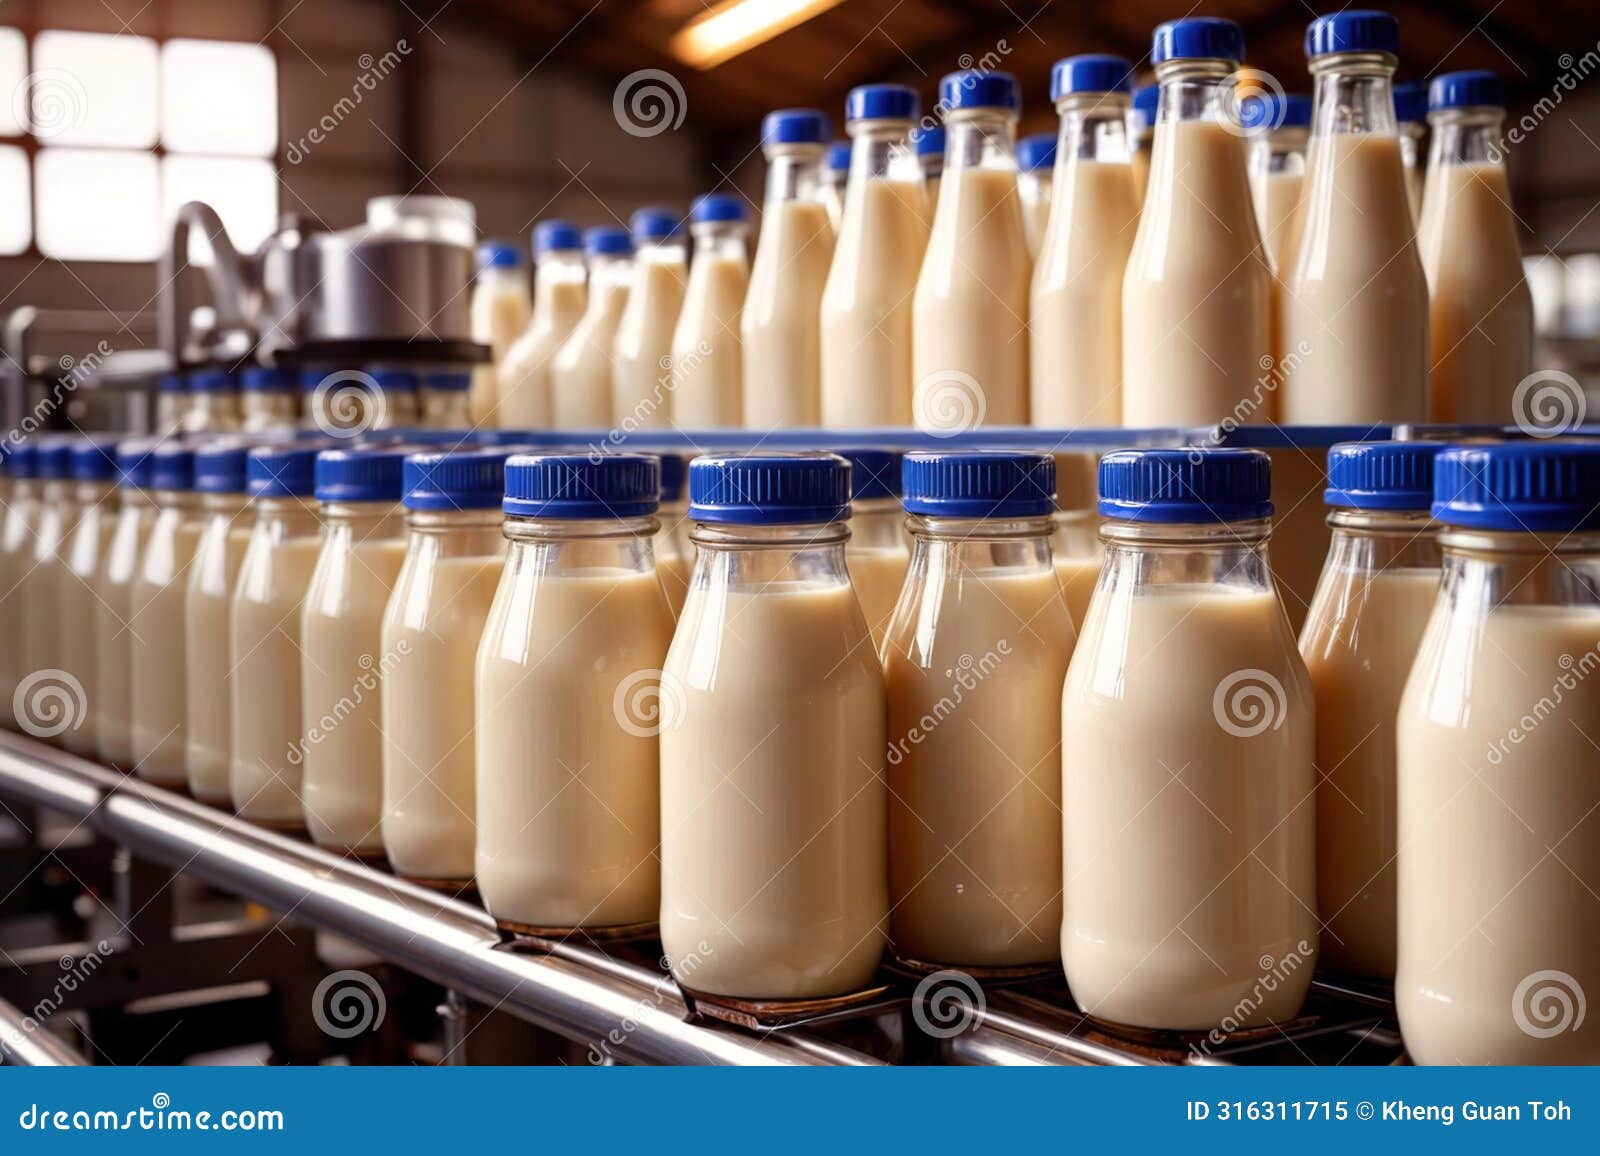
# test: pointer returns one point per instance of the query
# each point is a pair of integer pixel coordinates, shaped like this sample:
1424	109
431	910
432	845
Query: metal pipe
32	1046
227	276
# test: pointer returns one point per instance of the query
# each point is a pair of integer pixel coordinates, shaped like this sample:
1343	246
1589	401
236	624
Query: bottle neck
1466	136
554	547
1232	554
179	500
878	150
92	493
877	524
1282	151
229	506
981	139
947	545
366	521
606	273
555	269
1373	540
447	408
458	533
719	239
502	280
1353	92
1485	569
794	173
669	252
1094	127
131	497
768	559
1195	90
291	517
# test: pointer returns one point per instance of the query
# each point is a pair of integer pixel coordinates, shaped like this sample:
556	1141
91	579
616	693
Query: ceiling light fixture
737	26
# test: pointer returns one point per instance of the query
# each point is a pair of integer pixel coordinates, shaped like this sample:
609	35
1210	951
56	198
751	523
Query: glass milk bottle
1188	743
1075	543
1411	118
446	399
559	297
1142	135
1354	301
16	544
342	659
969	349
114	607
269	398
36	583
707	365
264	774
773	805
878	552
501	307
1198	278
580	375
219	481
94	472
568	790
213	402
1481	320
1075	306
172	402
641	356
835	175
160	590
928	142
974	662
1036	162
866	305
434	620
401	394
1359	641
1499	801
1278	170
674	552
780	323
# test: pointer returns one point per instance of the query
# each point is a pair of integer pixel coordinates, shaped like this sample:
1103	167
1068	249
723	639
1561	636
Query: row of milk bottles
811	742
260	399
1221	253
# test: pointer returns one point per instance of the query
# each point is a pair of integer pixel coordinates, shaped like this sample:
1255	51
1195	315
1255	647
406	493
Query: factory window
121	130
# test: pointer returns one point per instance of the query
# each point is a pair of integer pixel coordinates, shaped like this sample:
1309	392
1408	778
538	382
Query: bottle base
767	1014
616	933
1012	973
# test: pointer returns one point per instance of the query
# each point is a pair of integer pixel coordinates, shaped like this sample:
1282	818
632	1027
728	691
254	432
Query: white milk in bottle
342	659
1142	135
16	546
1036	162
580	375
1359	641
1499	802
435	618
1354	300
928	142
866	306
568	789
835	174
1188	742
974	661
1411	117
642	356
1198	279
213	404
559	296
970	312
773	805
1481	321
780	324
878	552
1075	306
501	308
38	582
113	628
707	365
94	470
269	398
1278	170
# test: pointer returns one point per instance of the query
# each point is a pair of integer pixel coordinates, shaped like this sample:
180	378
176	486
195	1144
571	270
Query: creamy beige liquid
866	306
15	548
1140	161
523	393
1036	215
1189	851
1277	201
580	375
1359	643
1500	839
707	365
501	309
974	670
642	355
1075	327
1200	284
567	779
674	553
207	658
971	305
1481	321
1077	575
780	326
1414	178
76	601
773	806
39	583
1355	301
878	576
342	665
159	672
435	616
264	640
114	632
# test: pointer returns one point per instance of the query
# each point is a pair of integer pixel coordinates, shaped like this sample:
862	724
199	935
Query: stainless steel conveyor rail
27	1045
577	993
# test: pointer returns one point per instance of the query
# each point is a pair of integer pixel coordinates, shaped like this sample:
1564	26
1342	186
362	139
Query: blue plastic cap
795	126
874	473
974	89
53	461
1472	89
607	241
499	255
654	223
447	381
286	471
22	460
220	469
717	207
674	476
133	462
882	102
1267	110
839	157
360	475
577	486
212	381
1532	486
172	383
1381	475
172	468
1353	30
94	460
1197	38
1186	486
1091	72
1411	102
929	142
980	484
268	377
398	380
555	237
1146	101
769	489
1036	152
457	480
